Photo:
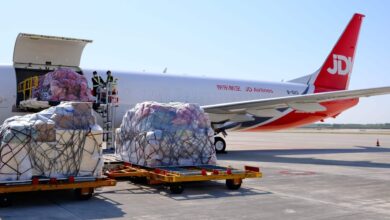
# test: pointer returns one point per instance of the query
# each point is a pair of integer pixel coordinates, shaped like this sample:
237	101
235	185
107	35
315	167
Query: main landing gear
220	144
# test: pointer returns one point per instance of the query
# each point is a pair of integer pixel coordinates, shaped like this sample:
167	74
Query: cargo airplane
239	105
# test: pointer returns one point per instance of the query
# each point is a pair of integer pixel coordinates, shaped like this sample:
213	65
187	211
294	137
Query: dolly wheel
220	144
139	180
176	188
5	201
84	193
233	184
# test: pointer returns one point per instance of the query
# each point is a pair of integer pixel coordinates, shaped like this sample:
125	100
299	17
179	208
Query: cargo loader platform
83	186
175	176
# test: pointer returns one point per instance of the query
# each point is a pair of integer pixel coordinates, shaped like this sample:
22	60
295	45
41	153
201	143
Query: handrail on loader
26	86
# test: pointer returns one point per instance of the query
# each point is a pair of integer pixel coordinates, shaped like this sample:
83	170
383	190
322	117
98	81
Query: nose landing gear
220	145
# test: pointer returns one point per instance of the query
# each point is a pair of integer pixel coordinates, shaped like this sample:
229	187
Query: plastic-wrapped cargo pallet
155	134
63	84
58	142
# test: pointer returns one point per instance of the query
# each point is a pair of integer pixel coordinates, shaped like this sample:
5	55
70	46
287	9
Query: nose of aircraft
3	91
5	107
7	91
2	100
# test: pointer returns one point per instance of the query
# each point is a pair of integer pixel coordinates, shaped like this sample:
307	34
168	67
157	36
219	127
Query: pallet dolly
175	176
83	186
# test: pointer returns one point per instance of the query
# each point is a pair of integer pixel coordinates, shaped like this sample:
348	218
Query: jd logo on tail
338	61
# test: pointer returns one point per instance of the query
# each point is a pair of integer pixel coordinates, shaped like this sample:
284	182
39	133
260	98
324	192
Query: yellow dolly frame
175	176
83	186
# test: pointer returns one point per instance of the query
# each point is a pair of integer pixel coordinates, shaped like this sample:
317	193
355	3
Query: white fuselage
136	87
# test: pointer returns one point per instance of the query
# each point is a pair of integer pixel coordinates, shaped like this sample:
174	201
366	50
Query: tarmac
308	174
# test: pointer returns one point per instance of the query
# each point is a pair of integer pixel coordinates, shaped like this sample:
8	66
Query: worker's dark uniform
97	81
109	83
110	79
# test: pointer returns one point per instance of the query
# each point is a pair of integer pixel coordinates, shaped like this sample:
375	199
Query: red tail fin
335	72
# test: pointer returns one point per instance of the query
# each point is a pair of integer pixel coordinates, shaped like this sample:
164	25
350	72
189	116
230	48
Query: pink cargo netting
63	84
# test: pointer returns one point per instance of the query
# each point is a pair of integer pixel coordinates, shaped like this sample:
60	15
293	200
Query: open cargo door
37	55
48	50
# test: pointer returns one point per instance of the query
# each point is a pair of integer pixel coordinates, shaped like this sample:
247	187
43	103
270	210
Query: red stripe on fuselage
296	119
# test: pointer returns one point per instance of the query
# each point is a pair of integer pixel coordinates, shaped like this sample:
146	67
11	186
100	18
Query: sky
253	40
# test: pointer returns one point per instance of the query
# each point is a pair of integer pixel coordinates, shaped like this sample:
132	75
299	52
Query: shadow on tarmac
58	201
214	190
281	156
192	190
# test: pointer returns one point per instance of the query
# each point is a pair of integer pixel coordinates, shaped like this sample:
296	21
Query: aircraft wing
301	103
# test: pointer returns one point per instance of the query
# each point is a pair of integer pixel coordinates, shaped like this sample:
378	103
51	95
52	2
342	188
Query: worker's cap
108	72
94	72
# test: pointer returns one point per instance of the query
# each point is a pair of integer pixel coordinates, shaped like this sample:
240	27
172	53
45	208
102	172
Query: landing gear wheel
5	201
176	188
220	145
83	193
233	184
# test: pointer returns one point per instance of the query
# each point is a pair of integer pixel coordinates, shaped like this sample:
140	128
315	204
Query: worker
97	82
110	84
110	79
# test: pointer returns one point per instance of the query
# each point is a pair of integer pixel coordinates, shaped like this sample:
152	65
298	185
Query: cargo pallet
175	176
83	186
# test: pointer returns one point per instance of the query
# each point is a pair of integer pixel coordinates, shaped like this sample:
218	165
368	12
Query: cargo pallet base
83	186
175	176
